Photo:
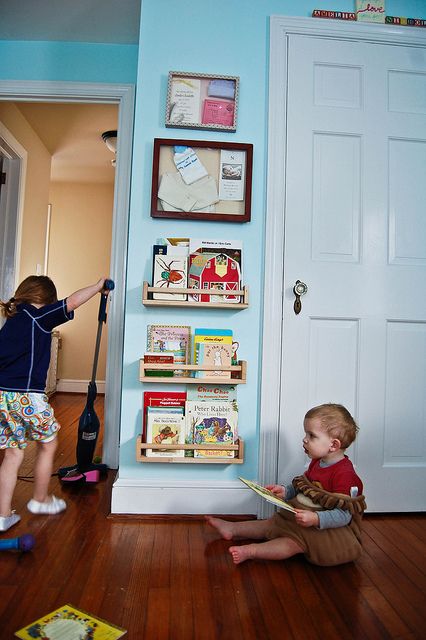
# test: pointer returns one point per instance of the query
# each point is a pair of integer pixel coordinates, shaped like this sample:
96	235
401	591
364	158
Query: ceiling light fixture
110	139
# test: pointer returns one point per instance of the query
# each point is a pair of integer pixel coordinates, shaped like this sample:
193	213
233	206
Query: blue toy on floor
23	543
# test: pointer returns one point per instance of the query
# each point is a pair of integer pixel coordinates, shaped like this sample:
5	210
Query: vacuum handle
108	284
102	317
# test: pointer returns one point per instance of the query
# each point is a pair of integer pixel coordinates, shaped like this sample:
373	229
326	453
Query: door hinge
2	178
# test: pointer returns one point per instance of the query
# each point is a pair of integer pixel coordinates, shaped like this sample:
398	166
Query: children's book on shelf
70	623
212	423
212	392
211	336
232	248
164	400
215	264
165	428
167	338
169	270
175	242
215	355
158	358
267	495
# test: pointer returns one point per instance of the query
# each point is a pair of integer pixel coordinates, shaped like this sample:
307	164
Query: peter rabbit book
212	423
70	623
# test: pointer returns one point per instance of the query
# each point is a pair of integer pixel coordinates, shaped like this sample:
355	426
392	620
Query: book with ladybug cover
169	271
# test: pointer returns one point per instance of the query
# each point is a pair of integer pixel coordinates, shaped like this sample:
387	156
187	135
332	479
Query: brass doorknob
299	289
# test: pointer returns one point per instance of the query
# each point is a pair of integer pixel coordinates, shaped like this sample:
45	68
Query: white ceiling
72	133
108	21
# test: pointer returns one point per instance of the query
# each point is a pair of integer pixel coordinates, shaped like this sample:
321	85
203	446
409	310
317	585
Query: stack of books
172	418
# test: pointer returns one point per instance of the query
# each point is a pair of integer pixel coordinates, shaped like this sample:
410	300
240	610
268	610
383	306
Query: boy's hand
306	518
276	489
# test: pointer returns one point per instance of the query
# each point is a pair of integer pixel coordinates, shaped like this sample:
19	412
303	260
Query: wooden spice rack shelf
148	301
142	446
238	373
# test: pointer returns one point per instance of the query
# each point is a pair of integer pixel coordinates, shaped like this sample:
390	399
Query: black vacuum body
88	427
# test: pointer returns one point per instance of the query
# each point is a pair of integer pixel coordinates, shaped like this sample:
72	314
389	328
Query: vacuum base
74	474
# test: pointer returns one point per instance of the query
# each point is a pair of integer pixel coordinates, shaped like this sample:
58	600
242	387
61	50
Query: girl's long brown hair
32	290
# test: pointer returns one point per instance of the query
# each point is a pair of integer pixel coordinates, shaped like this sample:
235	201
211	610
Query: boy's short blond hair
336	421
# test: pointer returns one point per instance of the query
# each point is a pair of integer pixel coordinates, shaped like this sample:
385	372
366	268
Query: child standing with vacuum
25	413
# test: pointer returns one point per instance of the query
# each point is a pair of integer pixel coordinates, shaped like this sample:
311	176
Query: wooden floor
174	579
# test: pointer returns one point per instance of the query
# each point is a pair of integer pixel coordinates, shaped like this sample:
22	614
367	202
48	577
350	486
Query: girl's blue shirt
25	342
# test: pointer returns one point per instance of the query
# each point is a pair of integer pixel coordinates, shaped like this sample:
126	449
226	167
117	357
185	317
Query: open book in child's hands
268	495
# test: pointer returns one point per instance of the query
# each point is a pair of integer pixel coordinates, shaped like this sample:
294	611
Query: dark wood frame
198	124
224	216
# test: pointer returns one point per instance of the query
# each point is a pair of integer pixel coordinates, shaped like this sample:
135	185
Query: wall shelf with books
148	301
238	447
238	373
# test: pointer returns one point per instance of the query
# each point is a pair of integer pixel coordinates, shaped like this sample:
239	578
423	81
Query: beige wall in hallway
79	254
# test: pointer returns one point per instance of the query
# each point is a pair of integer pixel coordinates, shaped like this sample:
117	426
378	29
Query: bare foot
242	553
223	526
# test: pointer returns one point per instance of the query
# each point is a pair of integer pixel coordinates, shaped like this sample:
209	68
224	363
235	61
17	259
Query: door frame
124	96
281	27
11	147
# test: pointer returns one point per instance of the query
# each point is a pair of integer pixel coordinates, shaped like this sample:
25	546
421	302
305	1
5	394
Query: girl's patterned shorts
25	417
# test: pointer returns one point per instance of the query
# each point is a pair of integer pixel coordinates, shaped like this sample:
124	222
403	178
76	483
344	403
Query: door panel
355	233
9	194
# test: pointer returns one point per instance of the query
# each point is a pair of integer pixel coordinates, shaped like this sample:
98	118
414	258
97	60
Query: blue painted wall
68	61
228	37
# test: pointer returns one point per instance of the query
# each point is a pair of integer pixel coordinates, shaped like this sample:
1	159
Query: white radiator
52	374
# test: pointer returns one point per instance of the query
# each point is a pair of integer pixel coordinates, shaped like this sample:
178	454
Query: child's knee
49	445
14	455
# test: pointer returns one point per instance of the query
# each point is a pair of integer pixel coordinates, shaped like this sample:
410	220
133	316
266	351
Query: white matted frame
202	101
272	367
123	96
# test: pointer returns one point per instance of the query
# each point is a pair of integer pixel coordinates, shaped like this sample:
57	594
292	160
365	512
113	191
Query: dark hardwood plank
174	579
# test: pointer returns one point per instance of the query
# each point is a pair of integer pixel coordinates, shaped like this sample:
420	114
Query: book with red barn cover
165	399
215	264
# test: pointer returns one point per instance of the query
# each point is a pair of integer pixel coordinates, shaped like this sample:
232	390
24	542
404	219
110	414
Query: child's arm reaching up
81	296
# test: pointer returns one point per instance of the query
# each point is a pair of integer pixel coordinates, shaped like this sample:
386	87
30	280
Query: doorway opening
30	101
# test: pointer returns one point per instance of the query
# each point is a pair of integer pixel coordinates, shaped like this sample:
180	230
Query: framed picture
202	101
201	180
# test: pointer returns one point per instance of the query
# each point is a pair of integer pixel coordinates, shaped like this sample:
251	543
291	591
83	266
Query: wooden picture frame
202	101
201	180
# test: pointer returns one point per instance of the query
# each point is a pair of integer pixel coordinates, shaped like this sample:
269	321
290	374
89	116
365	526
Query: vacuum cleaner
85	470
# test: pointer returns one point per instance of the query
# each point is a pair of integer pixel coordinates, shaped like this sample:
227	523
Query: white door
355	233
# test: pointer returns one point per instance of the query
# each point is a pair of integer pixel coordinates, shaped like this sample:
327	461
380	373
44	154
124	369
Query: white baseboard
132	496
78	386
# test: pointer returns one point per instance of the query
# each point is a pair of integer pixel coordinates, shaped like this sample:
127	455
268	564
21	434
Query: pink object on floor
87	476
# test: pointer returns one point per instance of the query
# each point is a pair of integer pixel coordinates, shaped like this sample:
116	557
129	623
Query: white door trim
272	367
19	150
124	96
